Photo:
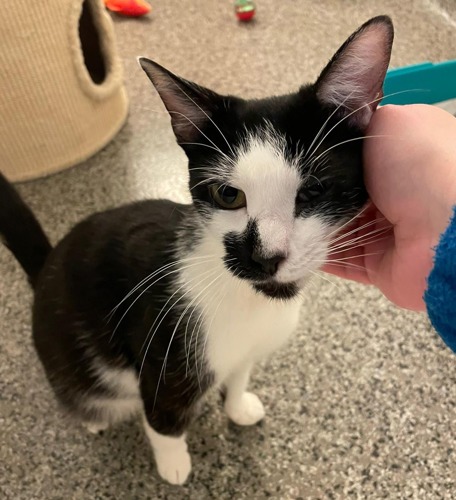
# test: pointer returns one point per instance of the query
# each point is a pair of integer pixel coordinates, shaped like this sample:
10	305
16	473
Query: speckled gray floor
362	402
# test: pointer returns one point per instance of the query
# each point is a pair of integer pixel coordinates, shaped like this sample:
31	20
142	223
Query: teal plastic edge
426	83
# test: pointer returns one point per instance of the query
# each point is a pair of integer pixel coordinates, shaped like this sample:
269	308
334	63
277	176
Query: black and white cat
143	308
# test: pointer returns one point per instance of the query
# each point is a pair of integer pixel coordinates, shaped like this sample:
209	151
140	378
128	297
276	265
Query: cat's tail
21	232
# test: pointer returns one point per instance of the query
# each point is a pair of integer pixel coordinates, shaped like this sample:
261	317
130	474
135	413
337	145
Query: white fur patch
240	325
114	410
270	184
248	409
171	455
123	383
96	428
308	249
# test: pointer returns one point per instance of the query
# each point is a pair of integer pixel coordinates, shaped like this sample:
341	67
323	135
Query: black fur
98	263
343	198
16	221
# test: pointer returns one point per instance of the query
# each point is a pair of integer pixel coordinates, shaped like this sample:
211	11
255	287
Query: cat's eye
227	197
311	192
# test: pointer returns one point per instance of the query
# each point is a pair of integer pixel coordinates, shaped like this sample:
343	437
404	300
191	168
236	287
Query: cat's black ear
189	105
353	79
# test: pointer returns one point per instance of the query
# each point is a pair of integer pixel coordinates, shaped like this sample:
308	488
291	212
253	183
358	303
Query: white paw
174	466
95	428
247	411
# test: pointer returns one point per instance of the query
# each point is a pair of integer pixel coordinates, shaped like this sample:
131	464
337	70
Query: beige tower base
61	91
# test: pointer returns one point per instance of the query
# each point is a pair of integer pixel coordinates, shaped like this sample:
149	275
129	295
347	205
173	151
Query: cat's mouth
276	290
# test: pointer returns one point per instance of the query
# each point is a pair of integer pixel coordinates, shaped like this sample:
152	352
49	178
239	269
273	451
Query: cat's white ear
353	79
189	105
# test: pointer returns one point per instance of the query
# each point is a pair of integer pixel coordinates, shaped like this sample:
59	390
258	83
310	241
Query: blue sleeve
440	296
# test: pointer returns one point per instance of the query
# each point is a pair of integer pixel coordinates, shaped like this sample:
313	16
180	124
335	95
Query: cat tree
61	91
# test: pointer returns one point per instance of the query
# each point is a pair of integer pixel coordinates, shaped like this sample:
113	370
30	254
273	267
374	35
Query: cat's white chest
245	327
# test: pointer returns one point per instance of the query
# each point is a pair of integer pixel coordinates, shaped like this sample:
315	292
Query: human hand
410	175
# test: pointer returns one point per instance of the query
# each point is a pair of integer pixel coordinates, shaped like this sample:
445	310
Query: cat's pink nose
269	264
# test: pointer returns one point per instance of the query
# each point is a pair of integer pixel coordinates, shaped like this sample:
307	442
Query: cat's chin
275	290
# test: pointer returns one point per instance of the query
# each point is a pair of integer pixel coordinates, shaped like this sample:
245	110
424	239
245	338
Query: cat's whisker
204	112
204	169
371	226
355	230
354	139
309	149
362	244
316	273
378	99
321	165
159	316
187	350
358	244
353	238
209	177
208	171
206	146
149	343
363	238
150	276
197	128
205	181
351	257
343	265
148	287
199	320
181	317
208	329
352	250
172	337
157	271
202	133
195	326
322	168
345	262
230	269
345	224
187	308
187	347
200	260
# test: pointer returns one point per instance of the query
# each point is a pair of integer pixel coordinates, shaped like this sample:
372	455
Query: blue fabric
440	296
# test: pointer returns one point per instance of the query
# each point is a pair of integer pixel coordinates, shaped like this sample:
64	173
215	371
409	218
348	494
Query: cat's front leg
242	407
168	412
171	455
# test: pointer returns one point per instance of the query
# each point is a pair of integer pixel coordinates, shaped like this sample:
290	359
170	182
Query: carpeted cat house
61	92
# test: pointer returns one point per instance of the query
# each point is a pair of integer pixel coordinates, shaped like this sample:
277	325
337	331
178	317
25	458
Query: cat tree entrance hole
92	52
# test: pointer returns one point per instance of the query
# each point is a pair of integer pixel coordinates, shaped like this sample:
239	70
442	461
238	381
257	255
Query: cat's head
274	178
